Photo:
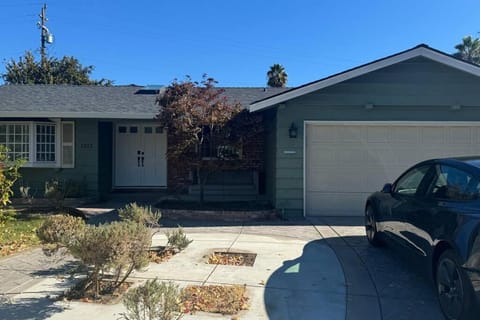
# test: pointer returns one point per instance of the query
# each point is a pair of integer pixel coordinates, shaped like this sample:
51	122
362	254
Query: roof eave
418	51
77	115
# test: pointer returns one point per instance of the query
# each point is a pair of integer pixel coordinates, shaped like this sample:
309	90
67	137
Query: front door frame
140	124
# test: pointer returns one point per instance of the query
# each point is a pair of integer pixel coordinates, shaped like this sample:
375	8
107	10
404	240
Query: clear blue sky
153	42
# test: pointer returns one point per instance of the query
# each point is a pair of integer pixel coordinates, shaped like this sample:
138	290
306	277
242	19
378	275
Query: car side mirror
387	188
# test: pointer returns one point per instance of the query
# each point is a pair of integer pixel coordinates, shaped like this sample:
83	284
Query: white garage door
346	162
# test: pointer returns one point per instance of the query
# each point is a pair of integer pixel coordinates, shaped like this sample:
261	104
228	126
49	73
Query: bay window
40	144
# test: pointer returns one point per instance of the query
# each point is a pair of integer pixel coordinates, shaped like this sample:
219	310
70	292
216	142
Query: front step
225	192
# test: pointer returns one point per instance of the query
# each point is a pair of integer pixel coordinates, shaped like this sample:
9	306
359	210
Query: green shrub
177	239
118	248
6	215
130	245
140	214
60	231
153	300
56	190
8	175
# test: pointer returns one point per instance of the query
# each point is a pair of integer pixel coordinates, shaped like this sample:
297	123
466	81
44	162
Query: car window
454	184
410	182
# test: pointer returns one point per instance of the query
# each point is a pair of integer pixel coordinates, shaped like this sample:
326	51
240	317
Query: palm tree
469	50
277	77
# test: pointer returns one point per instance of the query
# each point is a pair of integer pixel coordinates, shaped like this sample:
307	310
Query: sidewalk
296	275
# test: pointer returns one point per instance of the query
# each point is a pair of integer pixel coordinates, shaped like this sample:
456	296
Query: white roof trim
382	63
89	115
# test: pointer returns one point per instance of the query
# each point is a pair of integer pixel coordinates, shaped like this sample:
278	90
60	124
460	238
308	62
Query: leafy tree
469	50
49	70
207	130
277	77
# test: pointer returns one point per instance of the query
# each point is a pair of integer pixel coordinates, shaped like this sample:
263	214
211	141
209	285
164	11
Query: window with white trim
16	138
41	144
45	146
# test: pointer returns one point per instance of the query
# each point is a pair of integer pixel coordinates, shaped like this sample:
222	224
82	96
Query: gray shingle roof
97	102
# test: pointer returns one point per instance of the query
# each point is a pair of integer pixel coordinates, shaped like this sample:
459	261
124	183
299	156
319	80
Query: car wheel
371	227
453	287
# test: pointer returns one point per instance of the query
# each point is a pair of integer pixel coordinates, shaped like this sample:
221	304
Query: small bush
177	239
118	248
153	300
7	215
140	214
8	175
56	190
60	231
115	249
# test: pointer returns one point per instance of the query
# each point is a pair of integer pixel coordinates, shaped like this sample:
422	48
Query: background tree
206	129
67	70
277	77
469	50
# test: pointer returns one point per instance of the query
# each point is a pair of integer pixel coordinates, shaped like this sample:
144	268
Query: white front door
140	155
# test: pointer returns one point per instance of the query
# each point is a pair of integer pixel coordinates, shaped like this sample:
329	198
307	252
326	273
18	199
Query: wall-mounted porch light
292	131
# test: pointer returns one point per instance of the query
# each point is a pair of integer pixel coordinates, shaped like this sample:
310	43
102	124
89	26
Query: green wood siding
86	164
414	90
270	150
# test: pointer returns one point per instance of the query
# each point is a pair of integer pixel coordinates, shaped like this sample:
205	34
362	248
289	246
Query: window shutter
68	144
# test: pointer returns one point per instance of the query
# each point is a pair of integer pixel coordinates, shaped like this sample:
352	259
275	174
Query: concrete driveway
309	269
382	283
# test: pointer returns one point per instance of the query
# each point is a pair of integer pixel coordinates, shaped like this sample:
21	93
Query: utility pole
45	35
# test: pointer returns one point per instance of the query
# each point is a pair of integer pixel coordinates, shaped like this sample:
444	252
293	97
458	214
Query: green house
326	145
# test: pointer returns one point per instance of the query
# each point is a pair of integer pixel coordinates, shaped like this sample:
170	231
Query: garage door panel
432	135
476	135
378	134
350	134
335	204
459	135
328	181
345	163
350	155
375	157
318	155
401	135
321	134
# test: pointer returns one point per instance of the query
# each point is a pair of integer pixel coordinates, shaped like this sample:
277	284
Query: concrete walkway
296	275
311	269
